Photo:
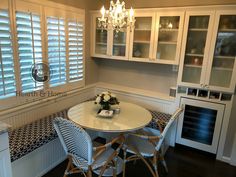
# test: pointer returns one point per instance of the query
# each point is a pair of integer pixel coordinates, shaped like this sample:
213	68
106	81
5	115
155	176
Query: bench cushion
162	118
29	137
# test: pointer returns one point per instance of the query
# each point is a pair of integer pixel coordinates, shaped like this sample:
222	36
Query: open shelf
101	43
227	30
137	29
194	55
142	42
222	69
198	29
167	42
225	57
168	30
119	44
193	66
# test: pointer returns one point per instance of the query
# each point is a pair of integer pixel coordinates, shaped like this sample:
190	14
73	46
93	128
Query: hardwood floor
181	161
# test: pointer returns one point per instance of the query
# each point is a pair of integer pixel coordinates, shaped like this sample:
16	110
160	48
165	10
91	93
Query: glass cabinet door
168	38
119	43
224	55
142	35
101	36
194	51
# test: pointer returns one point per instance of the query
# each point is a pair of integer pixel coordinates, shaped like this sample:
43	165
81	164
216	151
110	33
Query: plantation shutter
29	48
56	50
75	35
7	76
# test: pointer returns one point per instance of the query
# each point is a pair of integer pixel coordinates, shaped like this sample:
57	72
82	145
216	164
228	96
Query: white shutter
75	45
29	48
56	50
7	77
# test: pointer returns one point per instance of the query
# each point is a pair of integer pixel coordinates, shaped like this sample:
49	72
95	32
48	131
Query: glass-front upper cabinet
142	35
120	44
195	48
168	37
222	66
99	38
107	42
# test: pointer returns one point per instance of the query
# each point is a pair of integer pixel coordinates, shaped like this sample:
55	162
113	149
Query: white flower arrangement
105	99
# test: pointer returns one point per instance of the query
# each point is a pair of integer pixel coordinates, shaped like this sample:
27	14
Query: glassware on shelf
119	43
167	37
142	37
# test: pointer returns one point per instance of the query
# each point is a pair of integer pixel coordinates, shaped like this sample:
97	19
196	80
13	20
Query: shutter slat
29	48
7	76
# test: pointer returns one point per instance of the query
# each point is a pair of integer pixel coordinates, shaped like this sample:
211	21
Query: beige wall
154	77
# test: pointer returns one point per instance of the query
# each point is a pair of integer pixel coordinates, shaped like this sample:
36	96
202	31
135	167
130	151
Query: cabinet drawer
4	141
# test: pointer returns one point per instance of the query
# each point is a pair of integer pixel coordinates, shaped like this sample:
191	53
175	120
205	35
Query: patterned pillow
161	118
29	137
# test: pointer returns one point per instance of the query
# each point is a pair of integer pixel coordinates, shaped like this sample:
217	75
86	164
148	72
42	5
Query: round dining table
130	117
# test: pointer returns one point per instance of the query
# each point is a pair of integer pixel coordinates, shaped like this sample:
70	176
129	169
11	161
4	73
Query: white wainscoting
40	161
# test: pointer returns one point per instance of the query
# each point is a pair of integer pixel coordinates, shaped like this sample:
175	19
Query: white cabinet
107	43
5	163
168	37
208	51
156	37
142	36
221	73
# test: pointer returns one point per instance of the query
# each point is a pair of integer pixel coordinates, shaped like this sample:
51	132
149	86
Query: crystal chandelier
117	17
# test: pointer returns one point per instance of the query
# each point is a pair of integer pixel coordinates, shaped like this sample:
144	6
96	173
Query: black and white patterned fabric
27	138
161	118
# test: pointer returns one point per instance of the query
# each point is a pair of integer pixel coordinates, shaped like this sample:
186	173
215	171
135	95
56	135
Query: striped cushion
160	117
29	137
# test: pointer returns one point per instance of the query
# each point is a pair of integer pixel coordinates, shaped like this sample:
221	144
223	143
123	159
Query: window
29	48
56	40
75	30
7	76
56	50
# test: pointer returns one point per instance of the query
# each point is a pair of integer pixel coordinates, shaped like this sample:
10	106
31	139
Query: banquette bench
36	145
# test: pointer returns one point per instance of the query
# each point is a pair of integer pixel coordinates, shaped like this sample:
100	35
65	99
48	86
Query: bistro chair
146	145
83	157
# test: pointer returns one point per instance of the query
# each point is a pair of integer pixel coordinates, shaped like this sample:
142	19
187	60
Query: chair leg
68	166
124	162
155	160
114	167
163	163
89	173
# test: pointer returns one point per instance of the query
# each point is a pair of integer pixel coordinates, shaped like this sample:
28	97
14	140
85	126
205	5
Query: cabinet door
120	44
168	37
142	36
195	48
222	66
99	36
200	124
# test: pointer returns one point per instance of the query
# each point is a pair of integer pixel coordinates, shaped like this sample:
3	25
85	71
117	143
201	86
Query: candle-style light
117	17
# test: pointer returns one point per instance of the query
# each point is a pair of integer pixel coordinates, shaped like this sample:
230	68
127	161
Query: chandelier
117	17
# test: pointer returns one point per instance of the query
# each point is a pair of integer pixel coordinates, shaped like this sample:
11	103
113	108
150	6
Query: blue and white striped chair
146	144
83	157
